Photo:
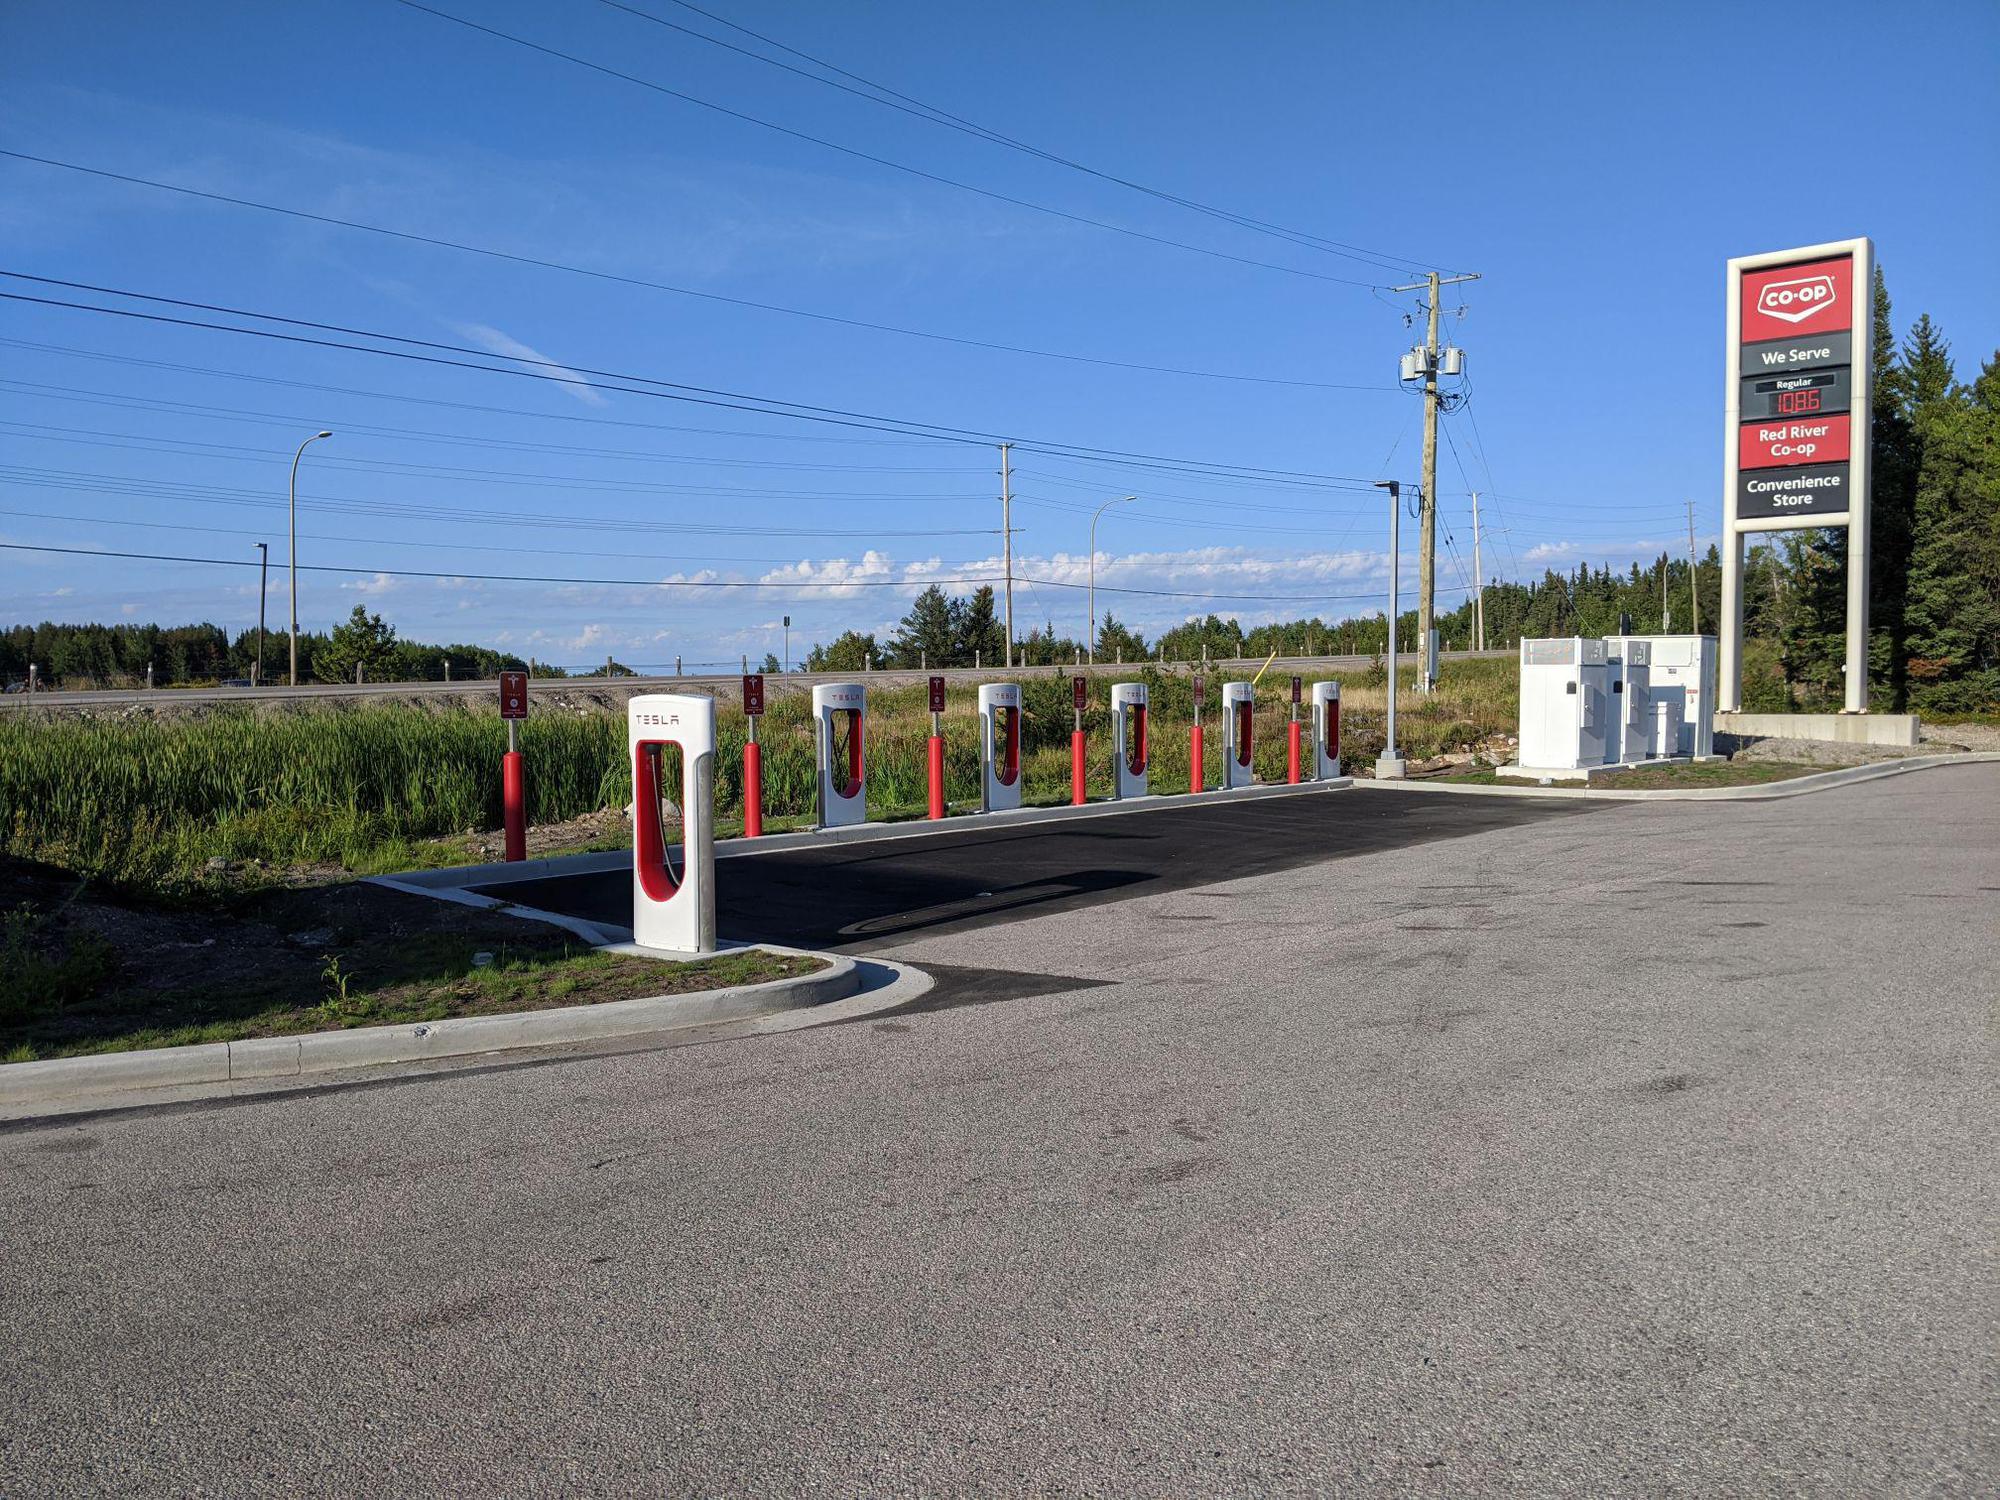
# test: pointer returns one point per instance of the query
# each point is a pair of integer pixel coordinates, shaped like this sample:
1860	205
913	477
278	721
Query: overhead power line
776	585
466	248
869	156
876	93
120	523
601	380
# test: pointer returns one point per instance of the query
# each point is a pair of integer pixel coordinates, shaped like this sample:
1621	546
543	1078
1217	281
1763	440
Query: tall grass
148	801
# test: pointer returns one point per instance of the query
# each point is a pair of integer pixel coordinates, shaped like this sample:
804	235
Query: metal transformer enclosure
999	746
1629	734
1239	735
1326	730
1565	704
673	901
840	715
1130	751
1683	668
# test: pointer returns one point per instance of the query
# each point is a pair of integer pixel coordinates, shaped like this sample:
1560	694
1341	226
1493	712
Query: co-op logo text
1796	300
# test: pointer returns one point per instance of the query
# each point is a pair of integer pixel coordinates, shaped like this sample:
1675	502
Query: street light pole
1090	627
1390	765
293	548
263	591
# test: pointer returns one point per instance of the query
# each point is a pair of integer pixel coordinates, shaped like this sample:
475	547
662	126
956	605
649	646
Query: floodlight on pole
292	548
1090	625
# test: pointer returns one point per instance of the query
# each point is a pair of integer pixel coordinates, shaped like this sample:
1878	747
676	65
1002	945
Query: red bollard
753	790
1194	761
1292	755
514	805
1076	792
937	776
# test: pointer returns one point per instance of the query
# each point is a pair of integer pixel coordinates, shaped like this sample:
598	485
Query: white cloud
381	583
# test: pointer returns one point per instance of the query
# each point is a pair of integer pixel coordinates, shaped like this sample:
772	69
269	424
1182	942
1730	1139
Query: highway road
1645	1150
724	685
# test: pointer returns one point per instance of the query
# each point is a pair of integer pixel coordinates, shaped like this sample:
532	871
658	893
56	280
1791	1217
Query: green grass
146	802
427	977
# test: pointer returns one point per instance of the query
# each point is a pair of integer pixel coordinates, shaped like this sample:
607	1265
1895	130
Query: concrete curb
215	1065
1797	786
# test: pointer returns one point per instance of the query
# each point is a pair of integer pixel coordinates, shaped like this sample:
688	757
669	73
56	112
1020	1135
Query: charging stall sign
513	695
1793	360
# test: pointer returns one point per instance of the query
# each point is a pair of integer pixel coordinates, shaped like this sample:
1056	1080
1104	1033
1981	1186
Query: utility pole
1694	598
1007	543
263	589
1426	365
1479	582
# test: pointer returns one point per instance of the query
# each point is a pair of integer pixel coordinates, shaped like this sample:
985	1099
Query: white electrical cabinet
1565	704
1681	674
1629	734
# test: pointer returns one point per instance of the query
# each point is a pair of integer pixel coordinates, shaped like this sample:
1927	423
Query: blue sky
1597	165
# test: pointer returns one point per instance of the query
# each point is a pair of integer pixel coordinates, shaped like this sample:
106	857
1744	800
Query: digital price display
1822	393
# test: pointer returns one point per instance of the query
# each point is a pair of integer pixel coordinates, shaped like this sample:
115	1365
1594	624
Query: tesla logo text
1795	301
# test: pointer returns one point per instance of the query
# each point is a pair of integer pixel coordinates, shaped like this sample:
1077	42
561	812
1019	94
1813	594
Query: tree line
105	656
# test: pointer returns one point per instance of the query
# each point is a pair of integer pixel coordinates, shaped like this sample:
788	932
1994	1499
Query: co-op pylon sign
1796	434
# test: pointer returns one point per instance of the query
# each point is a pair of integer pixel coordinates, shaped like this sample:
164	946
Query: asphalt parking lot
1648	1150
860	897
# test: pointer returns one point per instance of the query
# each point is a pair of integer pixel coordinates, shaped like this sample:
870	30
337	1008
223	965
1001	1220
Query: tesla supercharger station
1326	731
1239	735
1683	669
1628	735
840	715
999	746
671	740
1564	703
1128	739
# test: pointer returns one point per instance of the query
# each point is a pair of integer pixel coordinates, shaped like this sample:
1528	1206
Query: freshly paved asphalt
861	896
1644	1152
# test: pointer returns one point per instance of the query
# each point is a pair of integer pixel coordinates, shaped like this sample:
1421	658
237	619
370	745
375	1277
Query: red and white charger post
840	711
999	746
1197	772
1079	692
1128	739
513	778
673	902
936	774
1239	728
753	756
1292	736
1326	731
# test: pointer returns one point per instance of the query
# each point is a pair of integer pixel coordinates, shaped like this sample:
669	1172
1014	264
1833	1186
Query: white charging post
1128	739
673	899
1326	731
1239	710
840	712
999	746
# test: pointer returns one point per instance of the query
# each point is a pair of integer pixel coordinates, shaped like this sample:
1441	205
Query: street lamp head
323	434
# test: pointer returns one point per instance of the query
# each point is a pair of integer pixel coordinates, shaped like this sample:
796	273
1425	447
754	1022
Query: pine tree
1954	613
362	641
928	633
980	636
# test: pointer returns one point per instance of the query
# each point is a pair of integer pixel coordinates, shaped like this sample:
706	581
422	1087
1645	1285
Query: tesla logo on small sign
753	693
513	695
1079	691
937	695
1795	301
